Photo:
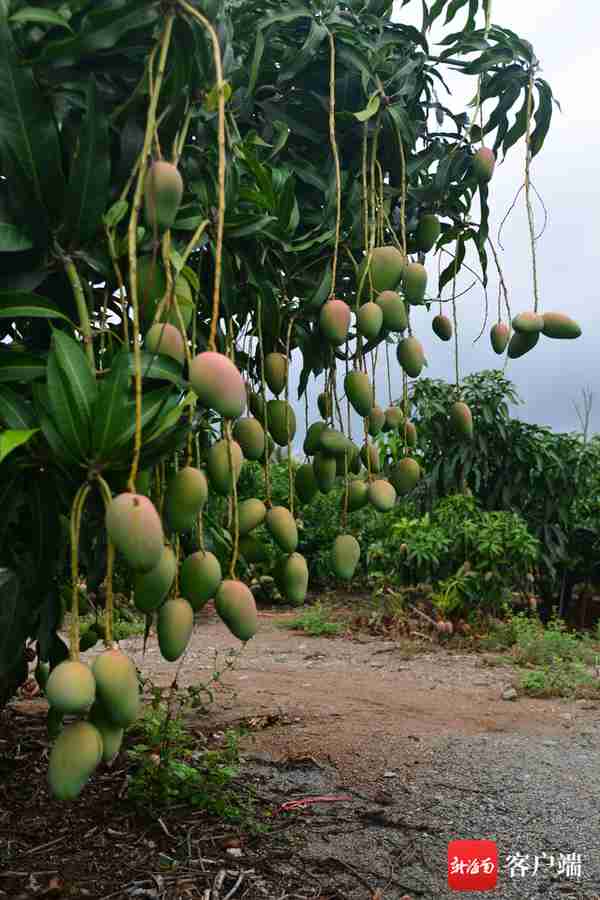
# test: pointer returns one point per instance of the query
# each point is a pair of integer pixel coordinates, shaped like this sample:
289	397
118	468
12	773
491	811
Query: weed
561	679
314	621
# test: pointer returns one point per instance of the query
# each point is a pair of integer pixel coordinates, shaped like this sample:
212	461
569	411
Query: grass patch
563	679
314	621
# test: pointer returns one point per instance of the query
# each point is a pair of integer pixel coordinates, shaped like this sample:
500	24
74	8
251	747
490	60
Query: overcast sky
566	173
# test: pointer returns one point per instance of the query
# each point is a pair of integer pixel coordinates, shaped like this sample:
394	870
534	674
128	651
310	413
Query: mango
218	384
499	337
369	321
461	420
250	435
292	578
334	321
312	441
163	190
386	268
276	372
251	514
376	421
528	322
111	735
236	606
199	578
349	462
174	628
71	687
359	392
282	527
282	421
325	470
414	282
394	418
410	434
411	356
185	497
557	325
442	327
521	343
483	164
369	455
257	406
382	495
393	308
151	588
134	527
334	443
117	687
358	495
74	757
427	233
345	555
306	483
167	340
325	405
219	468
405	475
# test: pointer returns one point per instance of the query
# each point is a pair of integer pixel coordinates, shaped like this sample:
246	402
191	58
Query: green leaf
13	621
22	304
153	404
211	100
13	438
18	366
57	444
251	227
15	410
29	142
89	178
159	367
69	419
542	116
115	213
370	109
112	409
13	239
37	16
76	368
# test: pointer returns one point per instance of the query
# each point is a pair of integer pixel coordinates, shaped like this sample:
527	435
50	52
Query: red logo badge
472	865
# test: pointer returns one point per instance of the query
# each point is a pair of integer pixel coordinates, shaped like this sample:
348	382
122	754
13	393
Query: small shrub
314	622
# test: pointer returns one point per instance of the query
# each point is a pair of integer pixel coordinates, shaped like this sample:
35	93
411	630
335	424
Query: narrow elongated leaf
57	444
370	109
28	135
15	304
13	238
112	409
159	367
71	423
153	404
80	378
37	16
15	410
89	179
18	366
13	438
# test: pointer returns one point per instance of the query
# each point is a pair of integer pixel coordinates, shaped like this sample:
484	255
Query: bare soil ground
421	745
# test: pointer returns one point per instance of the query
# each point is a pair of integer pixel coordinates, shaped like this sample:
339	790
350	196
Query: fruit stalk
75	528
132	244
221	171
82	310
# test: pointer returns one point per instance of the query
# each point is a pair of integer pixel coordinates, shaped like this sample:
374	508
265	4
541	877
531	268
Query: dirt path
423	748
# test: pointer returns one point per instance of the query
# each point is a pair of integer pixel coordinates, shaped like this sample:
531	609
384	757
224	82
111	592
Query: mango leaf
13	620
153	404
159	367
169	419
70	420
37	16
115	213
90	173
13	438
370	109
13	239
18	366
112	408
29	141
76	368
15	410
16	304
211	100
542	116
56	442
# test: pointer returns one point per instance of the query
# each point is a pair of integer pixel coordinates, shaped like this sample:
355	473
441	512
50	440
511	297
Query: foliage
314	621
548	478
77	88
